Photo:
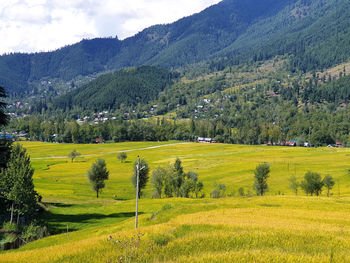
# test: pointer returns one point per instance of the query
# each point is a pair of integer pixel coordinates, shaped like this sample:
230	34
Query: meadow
279	227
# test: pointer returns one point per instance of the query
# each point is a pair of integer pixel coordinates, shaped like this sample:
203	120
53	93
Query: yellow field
267	229
274	228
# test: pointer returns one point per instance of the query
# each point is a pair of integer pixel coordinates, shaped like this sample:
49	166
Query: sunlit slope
257	229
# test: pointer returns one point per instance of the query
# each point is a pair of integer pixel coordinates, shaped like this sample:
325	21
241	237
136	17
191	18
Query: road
130	150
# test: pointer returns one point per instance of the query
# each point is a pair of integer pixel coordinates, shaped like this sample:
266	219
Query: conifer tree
5	145
3	116
16	184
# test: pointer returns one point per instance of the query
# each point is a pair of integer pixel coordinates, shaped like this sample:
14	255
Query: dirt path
130	150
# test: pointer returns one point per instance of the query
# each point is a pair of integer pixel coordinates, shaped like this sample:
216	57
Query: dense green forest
129	87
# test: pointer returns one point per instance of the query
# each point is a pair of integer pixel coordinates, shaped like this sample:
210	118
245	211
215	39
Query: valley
245	224
265	82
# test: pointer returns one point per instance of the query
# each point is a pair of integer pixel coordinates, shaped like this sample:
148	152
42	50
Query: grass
274	228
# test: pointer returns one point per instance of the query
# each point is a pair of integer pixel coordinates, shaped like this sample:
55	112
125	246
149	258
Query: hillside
314	33
255	103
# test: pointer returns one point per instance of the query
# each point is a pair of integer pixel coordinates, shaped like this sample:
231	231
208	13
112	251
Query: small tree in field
261	174
293	184
158	178
312	183
97	174
74	154
218	191
122	157
328	182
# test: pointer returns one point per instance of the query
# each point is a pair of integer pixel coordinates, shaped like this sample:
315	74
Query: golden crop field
278	227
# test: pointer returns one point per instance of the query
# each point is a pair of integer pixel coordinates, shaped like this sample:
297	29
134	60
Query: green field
279	227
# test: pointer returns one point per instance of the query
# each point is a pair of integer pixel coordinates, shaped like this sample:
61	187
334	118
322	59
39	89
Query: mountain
314	33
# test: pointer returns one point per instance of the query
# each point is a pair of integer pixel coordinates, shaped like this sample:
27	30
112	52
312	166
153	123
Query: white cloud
40	25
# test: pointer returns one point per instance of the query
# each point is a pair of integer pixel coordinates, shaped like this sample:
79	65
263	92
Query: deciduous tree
97	174
74	154
158	178
261	174
293	184
122	157
312	183
328	182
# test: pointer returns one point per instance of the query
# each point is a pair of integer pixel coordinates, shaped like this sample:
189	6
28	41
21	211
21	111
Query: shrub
218	191
241	191
161	239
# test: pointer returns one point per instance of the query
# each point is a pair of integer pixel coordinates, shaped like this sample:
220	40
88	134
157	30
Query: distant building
339	144
99	140
289	143
205	140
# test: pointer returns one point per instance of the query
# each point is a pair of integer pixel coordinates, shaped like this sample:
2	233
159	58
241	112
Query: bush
241	191
11	227
33	232
218	191
161	239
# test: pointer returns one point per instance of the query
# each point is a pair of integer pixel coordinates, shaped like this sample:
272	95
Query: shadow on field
58	205
58	222
121	199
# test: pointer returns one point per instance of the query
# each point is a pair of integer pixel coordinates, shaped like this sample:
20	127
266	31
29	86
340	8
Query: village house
205	140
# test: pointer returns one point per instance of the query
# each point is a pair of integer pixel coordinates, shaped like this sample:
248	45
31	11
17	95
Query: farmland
279	227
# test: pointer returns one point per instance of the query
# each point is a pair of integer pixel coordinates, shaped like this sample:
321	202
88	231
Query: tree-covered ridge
109	91
314	33
18	71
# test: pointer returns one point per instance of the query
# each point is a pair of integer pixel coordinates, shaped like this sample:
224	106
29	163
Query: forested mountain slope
313	32
130	87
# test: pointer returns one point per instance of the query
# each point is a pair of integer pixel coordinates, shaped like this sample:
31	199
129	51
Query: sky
43	25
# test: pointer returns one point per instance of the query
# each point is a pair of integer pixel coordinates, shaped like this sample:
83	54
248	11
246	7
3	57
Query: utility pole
138	169
137	189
